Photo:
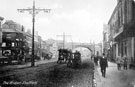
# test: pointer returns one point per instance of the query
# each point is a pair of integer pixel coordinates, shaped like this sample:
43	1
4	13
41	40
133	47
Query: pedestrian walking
125	60
96	60
103	65
119	61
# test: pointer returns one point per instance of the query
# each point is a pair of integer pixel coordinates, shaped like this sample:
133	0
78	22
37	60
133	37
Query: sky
81	20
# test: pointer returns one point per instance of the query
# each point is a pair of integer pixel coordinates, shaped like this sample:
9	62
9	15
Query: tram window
13	44
3	44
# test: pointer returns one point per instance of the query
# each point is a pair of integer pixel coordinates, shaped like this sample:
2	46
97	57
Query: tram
69	58
63	56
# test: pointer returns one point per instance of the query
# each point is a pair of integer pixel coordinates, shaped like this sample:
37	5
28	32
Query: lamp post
1	19
33	11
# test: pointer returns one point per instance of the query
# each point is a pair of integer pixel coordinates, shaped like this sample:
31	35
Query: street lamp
33	11
1	19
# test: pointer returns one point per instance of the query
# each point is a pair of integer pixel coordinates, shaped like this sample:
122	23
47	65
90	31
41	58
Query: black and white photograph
67	43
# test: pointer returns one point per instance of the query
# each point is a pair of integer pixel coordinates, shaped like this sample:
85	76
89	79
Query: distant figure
103	64
125	60
119	61
96	60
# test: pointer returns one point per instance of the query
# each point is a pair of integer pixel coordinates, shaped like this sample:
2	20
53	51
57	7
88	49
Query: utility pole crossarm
22	10
29	9
44	10
36	10
64	36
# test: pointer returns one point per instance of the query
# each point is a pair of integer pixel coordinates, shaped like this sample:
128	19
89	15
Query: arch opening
86	52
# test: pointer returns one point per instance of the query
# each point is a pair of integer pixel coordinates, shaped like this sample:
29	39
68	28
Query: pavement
114	77
37	63
29	64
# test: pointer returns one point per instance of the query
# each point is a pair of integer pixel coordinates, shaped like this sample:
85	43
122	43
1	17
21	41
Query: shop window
3	44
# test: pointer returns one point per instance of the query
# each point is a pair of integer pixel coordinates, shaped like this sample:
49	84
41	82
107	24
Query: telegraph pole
63	40
64	36
72	43
33	11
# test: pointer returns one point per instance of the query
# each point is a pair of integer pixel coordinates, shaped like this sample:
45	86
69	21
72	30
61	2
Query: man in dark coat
103	64
125	61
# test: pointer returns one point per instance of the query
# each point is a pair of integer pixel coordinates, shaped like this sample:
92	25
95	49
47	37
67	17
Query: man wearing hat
103	64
